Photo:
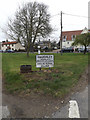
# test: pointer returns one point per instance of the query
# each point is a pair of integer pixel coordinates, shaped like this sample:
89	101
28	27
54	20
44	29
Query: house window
67	42
6	45
73	37
64	38
12	44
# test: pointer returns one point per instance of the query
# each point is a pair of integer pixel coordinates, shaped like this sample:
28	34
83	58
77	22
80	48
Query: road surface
82	100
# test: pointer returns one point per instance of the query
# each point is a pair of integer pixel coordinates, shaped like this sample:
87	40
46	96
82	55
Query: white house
11	46
68	37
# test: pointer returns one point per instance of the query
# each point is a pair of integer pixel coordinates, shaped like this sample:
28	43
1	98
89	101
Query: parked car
9	51
82	50
1	51
69	49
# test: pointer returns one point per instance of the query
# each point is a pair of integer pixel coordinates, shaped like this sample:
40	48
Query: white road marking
4	112
74	110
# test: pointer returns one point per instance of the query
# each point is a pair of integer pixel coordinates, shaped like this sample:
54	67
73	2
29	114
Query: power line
55	15
76	15
69	15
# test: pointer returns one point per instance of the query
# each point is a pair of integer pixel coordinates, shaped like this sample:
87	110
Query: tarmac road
80	97
82	100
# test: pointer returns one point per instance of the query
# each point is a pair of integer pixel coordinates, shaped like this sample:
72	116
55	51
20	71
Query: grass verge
56	82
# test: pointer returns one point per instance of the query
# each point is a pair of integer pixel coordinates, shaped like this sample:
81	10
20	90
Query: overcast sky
74	7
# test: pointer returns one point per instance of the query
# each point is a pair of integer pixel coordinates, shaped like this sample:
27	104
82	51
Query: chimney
3	41
6	40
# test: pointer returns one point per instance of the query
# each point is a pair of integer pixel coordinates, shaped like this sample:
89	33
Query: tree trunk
31	47
85	50
27	54
28	51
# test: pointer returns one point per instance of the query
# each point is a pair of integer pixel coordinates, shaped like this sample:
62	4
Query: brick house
11	46
68	37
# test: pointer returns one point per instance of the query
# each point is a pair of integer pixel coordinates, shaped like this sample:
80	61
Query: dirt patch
42	74
36	105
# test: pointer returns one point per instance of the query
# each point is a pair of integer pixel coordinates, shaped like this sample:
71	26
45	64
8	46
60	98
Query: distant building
11	46
68	37
89	15
44	44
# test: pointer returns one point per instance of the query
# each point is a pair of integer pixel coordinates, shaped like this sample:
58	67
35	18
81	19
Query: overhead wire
54	15
76	15
70	15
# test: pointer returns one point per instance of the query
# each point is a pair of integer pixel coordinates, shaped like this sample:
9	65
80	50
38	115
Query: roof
8	43
70	33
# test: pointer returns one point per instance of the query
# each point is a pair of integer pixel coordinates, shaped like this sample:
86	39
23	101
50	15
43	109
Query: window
64	38
12	44
73	37
67	42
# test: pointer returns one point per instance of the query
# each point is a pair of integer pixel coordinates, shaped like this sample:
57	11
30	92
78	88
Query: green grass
64	75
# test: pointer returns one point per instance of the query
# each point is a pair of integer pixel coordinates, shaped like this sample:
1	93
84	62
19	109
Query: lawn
57	81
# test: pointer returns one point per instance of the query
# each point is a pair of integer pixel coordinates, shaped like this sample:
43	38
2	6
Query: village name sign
44	61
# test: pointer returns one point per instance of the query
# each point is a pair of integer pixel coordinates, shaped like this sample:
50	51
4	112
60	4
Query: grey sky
74	7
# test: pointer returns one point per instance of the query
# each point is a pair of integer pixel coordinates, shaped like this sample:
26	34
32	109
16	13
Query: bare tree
30	22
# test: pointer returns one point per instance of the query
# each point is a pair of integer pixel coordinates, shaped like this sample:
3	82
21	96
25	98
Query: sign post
38	49
44	61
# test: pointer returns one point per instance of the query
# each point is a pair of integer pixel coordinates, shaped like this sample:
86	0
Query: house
68	37
14	45
44	44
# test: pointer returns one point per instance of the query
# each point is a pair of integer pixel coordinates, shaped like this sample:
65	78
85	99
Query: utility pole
61	34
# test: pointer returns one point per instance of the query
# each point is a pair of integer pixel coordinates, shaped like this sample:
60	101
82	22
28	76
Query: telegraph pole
61	34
